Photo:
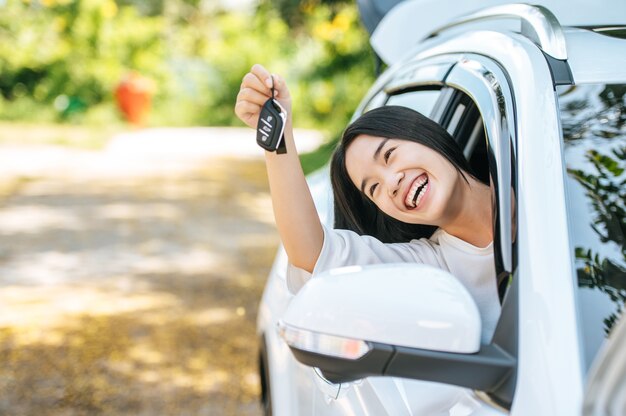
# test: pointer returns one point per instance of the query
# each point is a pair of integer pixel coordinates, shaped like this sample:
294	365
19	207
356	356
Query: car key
271	126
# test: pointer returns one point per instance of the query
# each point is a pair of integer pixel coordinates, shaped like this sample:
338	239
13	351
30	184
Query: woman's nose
394	181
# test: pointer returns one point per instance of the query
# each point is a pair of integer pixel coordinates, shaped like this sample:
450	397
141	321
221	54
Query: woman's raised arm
297	220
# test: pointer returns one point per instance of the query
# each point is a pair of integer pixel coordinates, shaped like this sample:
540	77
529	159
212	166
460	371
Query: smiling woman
403	192
384	159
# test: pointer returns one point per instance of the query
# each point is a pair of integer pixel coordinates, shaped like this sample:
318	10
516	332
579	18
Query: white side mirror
409	305
402	320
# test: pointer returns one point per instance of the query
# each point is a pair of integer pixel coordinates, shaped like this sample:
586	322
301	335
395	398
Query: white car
535	95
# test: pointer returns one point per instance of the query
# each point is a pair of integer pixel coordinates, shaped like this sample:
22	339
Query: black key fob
271	126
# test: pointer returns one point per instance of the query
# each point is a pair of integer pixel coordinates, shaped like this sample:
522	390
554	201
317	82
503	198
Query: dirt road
129	284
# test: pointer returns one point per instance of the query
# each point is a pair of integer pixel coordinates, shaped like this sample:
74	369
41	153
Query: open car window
422	100
459	104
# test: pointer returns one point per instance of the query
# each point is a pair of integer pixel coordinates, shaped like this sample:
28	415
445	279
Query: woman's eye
372	189
388	153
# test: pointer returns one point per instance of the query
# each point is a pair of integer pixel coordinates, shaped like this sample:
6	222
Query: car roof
412	21
593	57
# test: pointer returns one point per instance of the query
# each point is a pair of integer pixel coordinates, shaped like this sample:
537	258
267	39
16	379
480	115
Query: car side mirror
401	320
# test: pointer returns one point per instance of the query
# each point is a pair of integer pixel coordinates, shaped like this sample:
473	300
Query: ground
130	276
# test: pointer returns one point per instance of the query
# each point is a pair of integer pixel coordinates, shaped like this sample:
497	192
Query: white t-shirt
473	266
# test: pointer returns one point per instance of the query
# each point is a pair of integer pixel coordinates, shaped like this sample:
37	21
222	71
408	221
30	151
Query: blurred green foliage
61	60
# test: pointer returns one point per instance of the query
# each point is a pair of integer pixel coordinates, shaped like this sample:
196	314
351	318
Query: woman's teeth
414	196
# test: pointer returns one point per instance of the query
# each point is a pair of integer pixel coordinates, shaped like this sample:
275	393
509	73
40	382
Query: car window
463	121
594	136
422	101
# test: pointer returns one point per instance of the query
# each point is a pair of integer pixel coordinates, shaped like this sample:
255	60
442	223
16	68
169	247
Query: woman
403	193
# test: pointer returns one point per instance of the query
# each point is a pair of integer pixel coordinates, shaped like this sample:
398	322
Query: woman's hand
297	221
256	88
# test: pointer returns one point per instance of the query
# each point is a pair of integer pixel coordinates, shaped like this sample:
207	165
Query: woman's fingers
256	88
263	74
248	112
261	80
252	81
244	107
252	95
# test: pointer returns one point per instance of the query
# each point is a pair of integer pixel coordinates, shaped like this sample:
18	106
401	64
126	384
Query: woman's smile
417	192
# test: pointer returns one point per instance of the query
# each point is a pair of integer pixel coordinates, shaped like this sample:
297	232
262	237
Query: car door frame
551	377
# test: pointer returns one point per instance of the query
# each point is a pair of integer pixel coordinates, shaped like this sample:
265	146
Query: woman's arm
297	220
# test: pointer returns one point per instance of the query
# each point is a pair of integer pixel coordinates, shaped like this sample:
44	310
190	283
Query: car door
451	91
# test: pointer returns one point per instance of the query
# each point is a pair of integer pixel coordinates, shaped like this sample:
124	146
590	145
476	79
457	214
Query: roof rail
538	24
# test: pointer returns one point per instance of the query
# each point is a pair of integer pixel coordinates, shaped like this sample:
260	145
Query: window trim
487	85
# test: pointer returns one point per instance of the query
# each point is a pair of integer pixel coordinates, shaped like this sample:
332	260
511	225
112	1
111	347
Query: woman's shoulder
432	240
444	239
363	248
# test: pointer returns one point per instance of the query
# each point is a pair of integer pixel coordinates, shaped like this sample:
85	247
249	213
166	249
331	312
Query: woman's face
406	180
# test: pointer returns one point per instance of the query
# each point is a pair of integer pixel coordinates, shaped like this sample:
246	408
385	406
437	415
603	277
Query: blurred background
136	228
62	61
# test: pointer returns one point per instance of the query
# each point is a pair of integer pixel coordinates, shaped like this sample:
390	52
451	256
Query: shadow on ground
133	296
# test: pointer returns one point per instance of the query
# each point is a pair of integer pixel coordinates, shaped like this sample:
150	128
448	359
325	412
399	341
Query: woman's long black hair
353	209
